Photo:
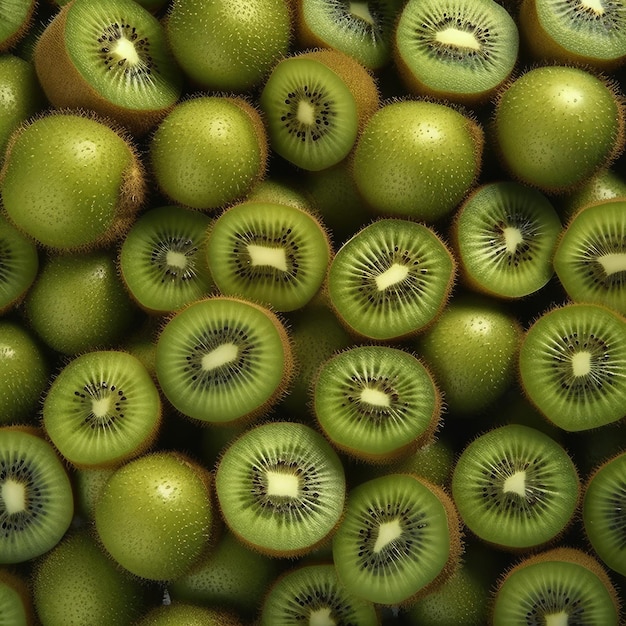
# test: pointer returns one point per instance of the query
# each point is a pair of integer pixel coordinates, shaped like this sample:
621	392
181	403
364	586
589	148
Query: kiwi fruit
505	234
155	515
19	264
78	583
555	126
111	57
162	259
209	151
603	512
456	50
571	366
281	488
93	411
362	30
376	403
515	487
606	184
313	594
174	614
223	359
270	253
417	159
400	538
36	500
70	181
585	33
15	21
78	303
391	279
590	259
16	606
560	586
314	104
24	371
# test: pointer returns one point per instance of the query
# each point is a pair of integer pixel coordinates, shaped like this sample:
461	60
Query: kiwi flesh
15	21
391	279
456	50
515	487
223	359
281	488
36	500
111	57
572	366
590	258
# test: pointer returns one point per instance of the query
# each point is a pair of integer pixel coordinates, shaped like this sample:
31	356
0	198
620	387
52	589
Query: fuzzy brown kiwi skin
22	31
52	61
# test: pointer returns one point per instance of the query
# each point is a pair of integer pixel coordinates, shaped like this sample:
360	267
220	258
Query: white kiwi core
455	38
322	617
581	363
14	496
512	238
557	619
222	355
613	263
306	113
593	5
516	483
387	533
392	276
124	50
100	406
283	485
176	259
374	397
264	255
361	10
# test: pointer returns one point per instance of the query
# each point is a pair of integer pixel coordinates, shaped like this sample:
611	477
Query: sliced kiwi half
376	402
572	365
102	409
281	488
163	261
270	253
560	586
221	359
462	51
15	21
515	487
590	259
363	30
505	234
111	57
36	501
312	594
391	279
568	31
603	512
399	538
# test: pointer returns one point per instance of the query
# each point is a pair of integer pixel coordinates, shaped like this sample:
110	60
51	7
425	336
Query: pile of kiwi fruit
363	262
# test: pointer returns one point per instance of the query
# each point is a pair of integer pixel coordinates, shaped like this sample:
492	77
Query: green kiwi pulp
281	488
221	359
391	279
569	31
36	501
399	538
162	259
312	594
515	487
19	264
603	512
155	515
362	30
70	181
111	57
590	259
456	50
572	366
15	19
102	409
376	402
560	586
555	126
417	159
505	234
311	113
270	253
